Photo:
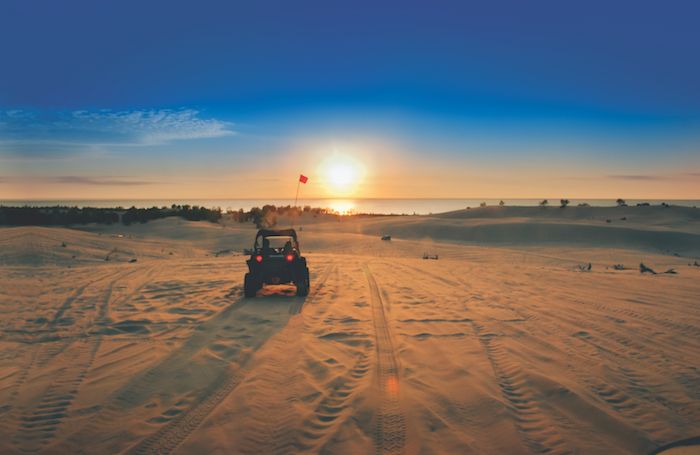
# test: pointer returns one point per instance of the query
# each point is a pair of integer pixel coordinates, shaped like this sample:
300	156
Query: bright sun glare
342	174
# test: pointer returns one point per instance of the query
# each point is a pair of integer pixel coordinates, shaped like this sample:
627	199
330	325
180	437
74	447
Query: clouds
76	180
650	177
28	134
151	126
17	114
96	181
636	177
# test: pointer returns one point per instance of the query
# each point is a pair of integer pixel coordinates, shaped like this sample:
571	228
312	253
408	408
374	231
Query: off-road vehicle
276	259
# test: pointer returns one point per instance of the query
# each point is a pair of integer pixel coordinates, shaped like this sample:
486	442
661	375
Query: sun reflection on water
342	206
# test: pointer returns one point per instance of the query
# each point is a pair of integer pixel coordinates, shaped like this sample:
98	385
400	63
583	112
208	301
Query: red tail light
258	258
289	257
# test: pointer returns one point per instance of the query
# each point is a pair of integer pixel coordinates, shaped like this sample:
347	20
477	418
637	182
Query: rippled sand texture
486	350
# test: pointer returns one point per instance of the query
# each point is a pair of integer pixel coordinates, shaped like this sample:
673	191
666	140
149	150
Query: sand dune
508	349
656	229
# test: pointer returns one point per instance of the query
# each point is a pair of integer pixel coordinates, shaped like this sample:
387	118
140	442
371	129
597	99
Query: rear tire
303	283
250	287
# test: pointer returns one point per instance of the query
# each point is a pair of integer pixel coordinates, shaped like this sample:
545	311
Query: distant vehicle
276	259
386	237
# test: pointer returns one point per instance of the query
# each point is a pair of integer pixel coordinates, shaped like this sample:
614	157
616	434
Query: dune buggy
276	259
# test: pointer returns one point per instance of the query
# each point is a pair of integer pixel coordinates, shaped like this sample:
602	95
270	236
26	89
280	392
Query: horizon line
347	198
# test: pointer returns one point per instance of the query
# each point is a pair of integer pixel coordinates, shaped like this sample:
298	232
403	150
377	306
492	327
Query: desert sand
505	344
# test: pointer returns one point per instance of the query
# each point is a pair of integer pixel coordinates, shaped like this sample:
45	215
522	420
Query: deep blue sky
584	80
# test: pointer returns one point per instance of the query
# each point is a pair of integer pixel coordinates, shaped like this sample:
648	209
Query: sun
342	174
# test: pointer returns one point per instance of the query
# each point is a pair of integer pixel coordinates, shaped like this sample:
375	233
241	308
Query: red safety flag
303	178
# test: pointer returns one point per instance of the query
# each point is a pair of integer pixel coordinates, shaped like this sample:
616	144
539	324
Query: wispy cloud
77	180
151	126
50	134
17	114
636	177
104	181
655	177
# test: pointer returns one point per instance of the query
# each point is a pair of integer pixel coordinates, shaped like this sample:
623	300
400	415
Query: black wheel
250	286
303	283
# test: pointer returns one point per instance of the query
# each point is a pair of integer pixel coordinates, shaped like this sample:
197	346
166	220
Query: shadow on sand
204	368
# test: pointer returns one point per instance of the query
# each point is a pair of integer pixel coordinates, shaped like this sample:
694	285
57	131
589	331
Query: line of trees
266	217
263	217
191	213
53	216
64	216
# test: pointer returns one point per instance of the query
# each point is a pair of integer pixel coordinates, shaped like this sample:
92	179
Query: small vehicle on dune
276	259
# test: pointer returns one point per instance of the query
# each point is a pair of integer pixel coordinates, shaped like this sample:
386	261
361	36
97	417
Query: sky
223	99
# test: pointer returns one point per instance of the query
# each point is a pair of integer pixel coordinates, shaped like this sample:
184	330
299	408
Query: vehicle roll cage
263	233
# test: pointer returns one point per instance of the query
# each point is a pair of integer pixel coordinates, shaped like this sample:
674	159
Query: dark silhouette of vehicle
276	259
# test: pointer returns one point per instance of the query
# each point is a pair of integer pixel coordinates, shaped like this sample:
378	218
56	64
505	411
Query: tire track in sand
298	306
274	418
170	437
115	406
537	429
582	348
319	429
8	420
390	433
38	425
537	432
68	302
326	418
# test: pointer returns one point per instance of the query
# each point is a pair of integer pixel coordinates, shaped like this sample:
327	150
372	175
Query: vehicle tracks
590	343
325	421
272	423
38	425
538	433
75	295
169	437
536	428
141	386
298	306
390	432
275	434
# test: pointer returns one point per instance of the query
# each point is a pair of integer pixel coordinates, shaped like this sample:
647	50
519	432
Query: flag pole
296	197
